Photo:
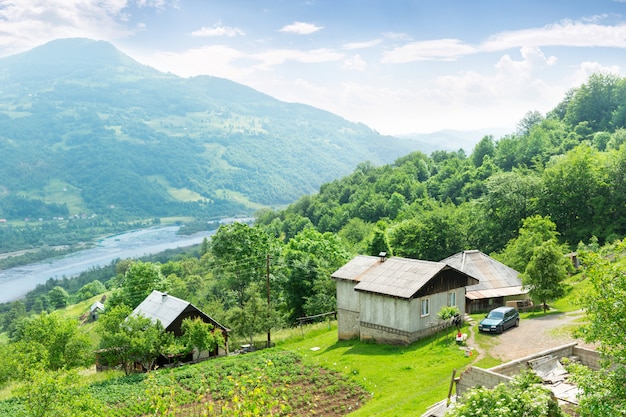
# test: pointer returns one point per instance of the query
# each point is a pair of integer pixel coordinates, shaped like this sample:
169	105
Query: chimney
163	297
383	256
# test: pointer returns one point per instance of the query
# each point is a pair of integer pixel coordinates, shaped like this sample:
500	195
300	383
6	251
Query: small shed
497	284
171	311
95	310
395	300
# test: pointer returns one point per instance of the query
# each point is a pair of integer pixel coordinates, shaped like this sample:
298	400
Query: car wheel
517	323
501	329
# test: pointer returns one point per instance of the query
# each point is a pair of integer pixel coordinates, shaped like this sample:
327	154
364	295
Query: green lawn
402	381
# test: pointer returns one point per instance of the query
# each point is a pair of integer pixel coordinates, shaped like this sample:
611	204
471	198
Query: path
533	335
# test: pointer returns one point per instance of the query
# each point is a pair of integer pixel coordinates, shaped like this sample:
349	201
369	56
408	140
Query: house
95	310
395	300
497	283
171	311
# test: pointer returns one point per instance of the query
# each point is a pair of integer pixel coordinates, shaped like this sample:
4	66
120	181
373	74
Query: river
16	282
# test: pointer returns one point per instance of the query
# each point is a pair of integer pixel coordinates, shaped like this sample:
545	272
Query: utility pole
267	265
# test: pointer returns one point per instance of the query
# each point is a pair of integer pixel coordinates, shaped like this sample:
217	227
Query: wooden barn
497	283
395	300
171	311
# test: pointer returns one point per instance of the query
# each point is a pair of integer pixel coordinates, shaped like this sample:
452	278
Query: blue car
499	319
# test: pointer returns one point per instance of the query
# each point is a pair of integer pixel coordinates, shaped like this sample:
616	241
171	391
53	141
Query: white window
425	307
452	298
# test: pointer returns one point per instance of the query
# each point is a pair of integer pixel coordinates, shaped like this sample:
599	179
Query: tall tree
511	197
575	192
545	273
307	263
603	392
485	147
534	232
128	339
64	344
139	280
239	256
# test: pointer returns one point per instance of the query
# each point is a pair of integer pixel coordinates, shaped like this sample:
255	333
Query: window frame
425	302
451	295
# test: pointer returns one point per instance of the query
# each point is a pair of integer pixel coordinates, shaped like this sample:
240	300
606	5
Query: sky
398	66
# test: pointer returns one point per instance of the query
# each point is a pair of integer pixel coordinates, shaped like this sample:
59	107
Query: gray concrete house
395	300
497	283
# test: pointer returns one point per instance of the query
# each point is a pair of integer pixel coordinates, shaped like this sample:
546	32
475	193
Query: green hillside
568	165
136	143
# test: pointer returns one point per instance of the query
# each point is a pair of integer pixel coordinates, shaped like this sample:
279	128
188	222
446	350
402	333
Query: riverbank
18	281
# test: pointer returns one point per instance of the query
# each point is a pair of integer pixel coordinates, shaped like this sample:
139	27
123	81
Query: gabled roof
166	308
495	278
96	306
396	277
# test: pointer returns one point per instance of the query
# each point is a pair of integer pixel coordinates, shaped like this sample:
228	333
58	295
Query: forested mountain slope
86	129
568	165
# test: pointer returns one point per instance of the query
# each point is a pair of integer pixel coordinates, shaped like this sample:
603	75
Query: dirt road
533	335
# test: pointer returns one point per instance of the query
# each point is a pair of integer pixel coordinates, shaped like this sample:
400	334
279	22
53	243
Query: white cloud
427	50
362	45
533	59
301	28
218	30
31	23
354	63
216	60
586	69
566	33
280	56
397	36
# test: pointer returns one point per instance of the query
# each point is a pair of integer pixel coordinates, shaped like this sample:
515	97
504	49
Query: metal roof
396	277
495	292
490	273
96	306
166	308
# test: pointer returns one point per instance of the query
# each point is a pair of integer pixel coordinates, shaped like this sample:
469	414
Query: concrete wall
348	325
348	315
518	365
347	298
478	377
587	357
384	311
388	319
489	378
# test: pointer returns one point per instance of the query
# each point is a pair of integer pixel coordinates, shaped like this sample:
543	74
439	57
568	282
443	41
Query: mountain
86	129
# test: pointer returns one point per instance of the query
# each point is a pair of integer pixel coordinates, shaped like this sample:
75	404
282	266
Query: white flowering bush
524	396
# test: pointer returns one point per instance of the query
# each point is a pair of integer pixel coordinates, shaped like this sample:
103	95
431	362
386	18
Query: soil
532	336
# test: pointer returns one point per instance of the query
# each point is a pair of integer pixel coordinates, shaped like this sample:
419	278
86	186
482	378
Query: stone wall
347	324
382	334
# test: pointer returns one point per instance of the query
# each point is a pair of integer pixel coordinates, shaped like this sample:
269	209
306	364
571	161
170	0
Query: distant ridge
124	139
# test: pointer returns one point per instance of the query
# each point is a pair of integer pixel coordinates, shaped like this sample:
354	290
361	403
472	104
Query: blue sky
397	66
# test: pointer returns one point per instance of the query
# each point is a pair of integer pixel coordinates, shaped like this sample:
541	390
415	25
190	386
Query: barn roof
166	308
96	306
396	277
495	278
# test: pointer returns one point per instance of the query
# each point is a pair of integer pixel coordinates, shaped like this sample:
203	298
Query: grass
402	380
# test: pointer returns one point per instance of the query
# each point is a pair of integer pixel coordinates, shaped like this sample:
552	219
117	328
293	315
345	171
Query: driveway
533	335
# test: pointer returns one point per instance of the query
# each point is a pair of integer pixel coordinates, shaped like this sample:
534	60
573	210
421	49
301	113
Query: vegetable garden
271	383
